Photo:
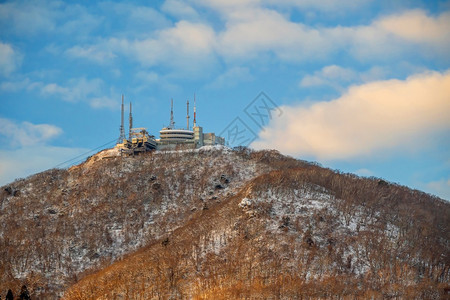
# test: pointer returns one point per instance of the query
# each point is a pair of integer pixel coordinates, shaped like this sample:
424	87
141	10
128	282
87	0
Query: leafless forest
220	224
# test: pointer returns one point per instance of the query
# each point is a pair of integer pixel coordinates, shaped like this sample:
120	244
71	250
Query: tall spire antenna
187	117
122	129
195	120
131	123
172	123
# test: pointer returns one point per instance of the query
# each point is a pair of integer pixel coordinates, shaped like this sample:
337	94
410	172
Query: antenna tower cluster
122	128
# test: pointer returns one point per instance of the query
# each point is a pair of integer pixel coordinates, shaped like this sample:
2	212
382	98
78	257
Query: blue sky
362	86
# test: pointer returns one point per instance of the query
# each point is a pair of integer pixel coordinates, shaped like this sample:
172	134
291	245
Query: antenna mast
187	117
172	123
131	123
195	121
122	129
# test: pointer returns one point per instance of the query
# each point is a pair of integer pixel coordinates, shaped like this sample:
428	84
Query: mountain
216	223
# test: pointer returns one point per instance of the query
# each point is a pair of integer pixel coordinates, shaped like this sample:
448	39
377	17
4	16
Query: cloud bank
29	152
381	115
26	133
22	162
251	31
337	77
9	59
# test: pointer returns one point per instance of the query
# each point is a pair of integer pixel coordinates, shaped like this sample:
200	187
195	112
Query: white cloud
147	77
417	27
231	78
339	77
81	90
25	133
9	59
322	5
440	187
329	75
103	102
14	86
75	20
55	89
255	31
77	89
93	52
187	47
29	153
26	161
393	37
137	19
364	172
179	9
382	115
252	31
227	6
28	17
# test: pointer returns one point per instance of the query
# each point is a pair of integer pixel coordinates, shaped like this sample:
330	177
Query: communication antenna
187	117
131	123
122	129
195	120
172	123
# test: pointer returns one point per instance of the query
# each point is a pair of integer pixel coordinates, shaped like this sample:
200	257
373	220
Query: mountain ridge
275	206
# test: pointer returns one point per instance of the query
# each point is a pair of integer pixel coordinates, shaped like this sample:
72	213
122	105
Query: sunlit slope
57	225
297	230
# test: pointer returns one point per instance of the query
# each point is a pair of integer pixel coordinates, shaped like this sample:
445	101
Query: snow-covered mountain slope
218	223
294	233
57	224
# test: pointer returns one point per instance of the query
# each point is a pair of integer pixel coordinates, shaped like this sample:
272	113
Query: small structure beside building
139	140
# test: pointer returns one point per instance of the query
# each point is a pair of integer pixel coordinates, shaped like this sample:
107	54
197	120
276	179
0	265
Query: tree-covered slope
220	224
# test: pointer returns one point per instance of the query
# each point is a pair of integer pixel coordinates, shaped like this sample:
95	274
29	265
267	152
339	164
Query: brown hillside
219	224
291	233
59	224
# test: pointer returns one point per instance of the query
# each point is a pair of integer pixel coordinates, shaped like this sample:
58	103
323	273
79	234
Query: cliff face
216	223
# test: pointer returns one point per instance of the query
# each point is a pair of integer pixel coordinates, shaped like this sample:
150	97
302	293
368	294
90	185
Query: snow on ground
201	149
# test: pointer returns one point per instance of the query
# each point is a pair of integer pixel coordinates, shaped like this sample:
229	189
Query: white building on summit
178	138
171	138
